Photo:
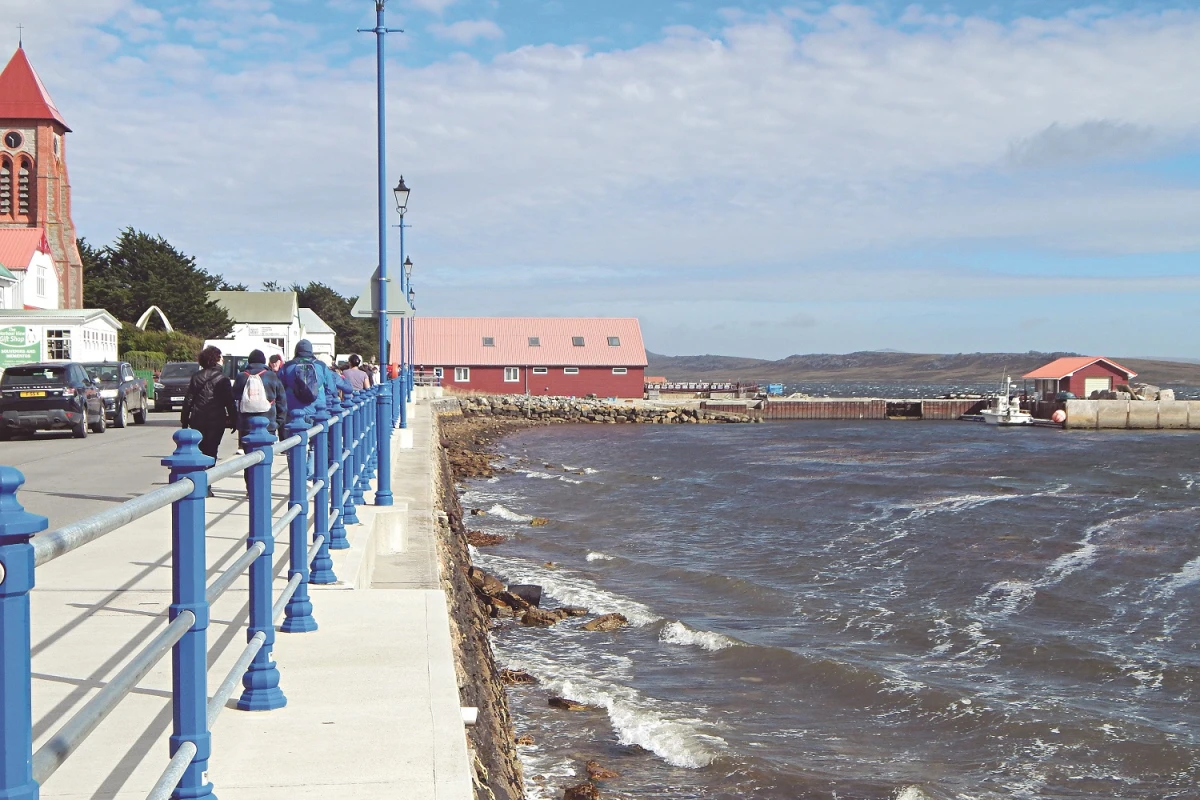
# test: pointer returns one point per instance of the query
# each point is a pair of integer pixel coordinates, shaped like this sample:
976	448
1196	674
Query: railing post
383	429
189	657
369	422
349	473
298	613
17	527
402	393
322	564
361	457
260	684
337	531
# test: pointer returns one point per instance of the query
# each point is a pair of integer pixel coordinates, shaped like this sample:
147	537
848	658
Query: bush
176	346
145	359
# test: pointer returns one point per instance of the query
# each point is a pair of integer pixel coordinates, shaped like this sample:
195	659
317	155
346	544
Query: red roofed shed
563	356
1079	375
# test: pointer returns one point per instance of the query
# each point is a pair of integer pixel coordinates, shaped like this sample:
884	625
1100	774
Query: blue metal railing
349	440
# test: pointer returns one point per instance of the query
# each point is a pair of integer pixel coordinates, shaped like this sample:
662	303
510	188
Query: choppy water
842	610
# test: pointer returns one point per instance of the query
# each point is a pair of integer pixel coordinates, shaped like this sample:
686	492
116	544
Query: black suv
50	396
123	393
172	383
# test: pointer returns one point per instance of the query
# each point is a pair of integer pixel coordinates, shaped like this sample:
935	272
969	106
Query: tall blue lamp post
401	192
383	494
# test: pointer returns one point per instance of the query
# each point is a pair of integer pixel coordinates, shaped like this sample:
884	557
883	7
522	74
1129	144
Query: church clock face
13	139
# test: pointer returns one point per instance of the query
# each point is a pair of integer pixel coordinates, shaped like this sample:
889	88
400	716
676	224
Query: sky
748	178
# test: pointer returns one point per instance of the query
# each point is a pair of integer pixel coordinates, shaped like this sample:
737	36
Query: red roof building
1079	375
562	356
35	192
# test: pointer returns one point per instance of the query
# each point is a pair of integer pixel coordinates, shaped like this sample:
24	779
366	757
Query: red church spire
22	95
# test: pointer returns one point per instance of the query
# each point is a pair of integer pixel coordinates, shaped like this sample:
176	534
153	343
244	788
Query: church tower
34	189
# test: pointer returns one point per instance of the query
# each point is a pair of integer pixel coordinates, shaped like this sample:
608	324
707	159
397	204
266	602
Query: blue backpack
305	383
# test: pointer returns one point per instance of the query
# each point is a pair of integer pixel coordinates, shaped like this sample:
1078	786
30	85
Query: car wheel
80	430
121	415
139	416
99	425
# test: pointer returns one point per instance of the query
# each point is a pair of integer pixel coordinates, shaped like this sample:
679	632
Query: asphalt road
68	478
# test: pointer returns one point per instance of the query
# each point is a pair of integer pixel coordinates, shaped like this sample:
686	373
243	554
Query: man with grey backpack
259	393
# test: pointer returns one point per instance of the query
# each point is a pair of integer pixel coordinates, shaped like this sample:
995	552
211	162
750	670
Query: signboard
19	344
367	304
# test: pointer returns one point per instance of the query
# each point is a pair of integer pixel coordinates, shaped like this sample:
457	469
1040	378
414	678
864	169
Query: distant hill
892	367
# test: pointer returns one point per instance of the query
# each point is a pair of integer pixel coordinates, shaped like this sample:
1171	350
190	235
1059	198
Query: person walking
263	397
358	378
303	384
276	362
208	405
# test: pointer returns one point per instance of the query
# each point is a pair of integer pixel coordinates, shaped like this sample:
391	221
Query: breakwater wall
1133	414
834	408
569	409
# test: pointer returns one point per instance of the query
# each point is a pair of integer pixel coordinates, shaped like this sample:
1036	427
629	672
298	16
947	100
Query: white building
33	280
313	328
78	334
271	316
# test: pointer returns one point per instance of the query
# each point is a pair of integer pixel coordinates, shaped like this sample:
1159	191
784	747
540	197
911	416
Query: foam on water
599	557
503	512
567	588
1005	598
1187	575
678	633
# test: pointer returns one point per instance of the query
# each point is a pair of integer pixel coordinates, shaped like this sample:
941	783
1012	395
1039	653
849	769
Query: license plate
33	394
176	399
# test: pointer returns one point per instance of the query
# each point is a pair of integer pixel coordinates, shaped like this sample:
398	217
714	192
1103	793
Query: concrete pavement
373	706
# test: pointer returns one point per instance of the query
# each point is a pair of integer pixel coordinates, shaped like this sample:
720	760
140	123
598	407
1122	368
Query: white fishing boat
1005	409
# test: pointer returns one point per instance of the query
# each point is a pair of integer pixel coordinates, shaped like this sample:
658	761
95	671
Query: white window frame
570	370
439	372
41	281
462	374
620	370
541	370
512	374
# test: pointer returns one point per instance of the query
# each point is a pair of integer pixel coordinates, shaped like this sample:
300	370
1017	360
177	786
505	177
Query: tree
139	270
354	335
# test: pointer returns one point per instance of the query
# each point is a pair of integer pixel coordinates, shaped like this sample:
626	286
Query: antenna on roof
20	36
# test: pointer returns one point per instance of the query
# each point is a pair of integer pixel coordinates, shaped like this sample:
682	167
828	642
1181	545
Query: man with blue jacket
303	383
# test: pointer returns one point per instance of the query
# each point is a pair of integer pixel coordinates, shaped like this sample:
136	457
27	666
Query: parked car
123	393
50	396
172	384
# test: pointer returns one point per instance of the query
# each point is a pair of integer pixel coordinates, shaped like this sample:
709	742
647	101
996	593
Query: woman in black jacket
208	406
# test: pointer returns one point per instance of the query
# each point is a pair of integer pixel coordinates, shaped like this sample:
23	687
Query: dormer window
535	341
577	341
489	341
614	341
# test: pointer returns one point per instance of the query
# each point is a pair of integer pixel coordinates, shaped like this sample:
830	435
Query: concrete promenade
373	707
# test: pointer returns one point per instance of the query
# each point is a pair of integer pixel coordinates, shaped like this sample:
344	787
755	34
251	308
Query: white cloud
762	155
467	31
432	6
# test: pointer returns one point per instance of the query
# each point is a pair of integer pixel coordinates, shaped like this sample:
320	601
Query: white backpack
254	396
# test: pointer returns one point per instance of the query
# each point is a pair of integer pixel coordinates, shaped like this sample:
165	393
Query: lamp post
402	192
411	323
383	493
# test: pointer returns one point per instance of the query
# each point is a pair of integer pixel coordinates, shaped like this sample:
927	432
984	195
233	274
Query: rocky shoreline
479	600
591	411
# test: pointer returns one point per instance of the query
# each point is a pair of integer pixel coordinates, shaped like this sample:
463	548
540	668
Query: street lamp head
408	267
401	192
412	298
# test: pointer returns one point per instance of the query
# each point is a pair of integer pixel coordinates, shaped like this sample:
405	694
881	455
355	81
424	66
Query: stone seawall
565	409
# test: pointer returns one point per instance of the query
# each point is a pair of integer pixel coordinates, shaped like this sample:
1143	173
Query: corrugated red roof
459	341
17	246
22	93
1064	367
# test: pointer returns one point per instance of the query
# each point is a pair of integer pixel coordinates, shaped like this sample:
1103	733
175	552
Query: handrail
49	546
51	755
332	458
233	572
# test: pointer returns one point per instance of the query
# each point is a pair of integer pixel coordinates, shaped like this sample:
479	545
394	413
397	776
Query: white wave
494	479
569	468
678	633
1005	598
504	512
655	478
533	473
589	471
599	557
1188	574
910	793
565	479
1067	563
567	588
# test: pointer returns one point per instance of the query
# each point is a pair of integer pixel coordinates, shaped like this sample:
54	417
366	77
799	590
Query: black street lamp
401	192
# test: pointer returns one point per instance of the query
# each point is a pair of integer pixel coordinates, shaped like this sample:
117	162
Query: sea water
898	610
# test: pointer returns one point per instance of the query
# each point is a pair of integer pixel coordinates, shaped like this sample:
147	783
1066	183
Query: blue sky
754	178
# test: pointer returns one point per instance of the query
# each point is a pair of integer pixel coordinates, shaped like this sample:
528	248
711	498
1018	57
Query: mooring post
189	579
260	684
298	612
322	563
17	527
